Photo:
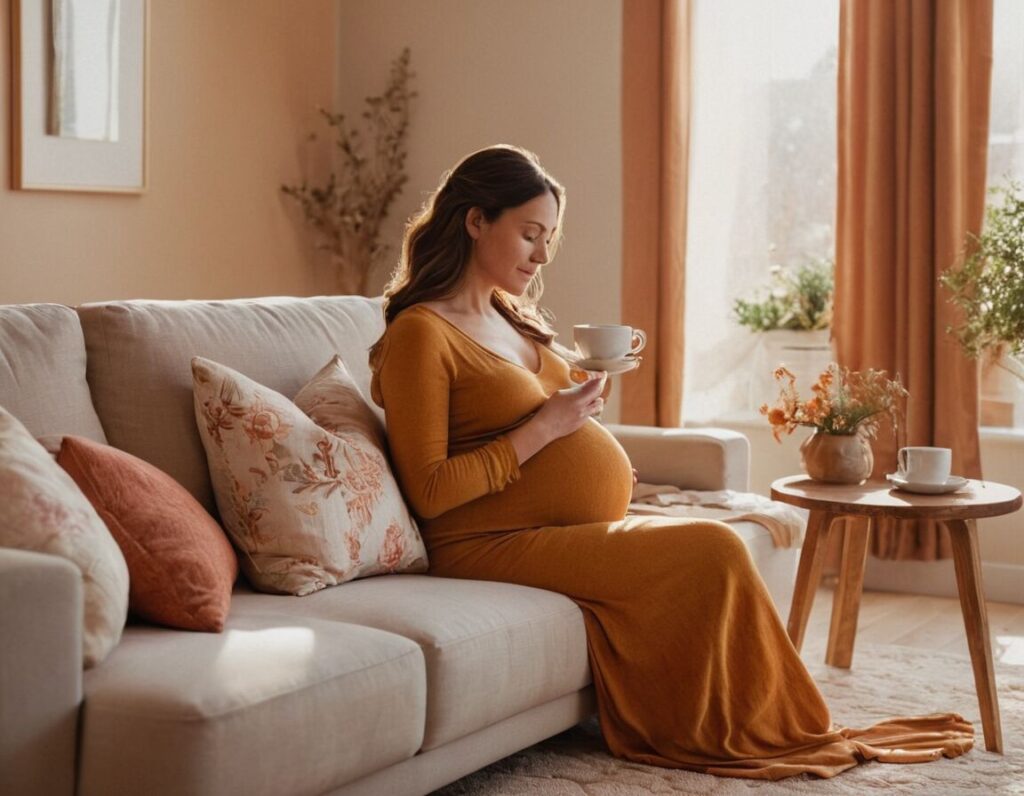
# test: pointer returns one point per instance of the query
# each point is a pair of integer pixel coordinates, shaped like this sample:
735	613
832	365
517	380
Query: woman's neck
473	298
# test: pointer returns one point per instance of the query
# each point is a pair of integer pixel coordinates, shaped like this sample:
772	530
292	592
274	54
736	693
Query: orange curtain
655	144
913	109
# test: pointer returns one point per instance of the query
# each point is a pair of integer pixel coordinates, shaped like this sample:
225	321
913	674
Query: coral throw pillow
307	507
41	509
180	562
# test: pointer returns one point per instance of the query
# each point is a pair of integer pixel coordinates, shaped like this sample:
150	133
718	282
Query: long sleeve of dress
412	384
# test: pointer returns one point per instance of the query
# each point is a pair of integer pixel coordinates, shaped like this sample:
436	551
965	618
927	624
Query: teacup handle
637	341
901	463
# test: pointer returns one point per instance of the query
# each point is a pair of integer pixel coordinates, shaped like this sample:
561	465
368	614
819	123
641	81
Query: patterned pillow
307	508
41	509
334	402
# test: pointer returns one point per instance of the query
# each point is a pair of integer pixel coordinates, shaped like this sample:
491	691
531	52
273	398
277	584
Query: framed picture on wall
79	70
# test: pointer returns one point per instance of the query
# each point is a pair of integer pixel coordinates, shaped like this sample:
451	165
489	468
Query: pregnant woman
514	481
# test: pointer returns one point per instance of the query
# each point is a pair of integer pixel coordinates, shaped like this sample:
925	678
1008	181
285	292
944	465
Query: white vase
805	353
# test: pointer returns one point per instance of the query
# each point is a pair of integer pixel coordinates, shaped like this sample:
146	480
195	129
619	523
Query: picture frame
41	159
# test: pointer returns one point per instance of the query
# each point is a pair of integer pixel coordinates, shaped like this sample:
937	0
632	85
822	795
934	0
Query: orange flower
843	402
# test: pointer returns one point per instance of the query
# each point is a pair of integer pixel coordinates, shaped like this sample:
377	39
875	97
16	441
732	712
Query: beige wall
544	75
233	88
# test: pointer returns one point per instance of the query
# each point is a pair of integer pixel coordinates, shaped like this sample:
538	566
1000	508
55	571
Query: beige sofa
389	685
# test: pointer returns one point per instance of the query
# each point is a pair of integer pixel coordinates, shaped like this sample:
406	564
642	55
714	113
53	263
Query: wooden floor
913	620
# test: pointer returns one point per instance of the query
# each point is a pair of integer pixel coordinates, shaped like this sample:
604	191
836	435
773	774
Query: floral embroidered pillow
334	402
41	509
307	508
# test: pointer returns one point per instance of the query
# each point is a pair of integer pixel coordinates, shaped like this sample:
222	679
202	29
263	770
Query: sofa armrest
706	458
40	672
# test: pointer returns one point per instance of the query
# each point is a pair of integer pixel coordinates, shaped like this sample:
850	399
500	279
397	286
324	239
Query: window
762	177
1002	395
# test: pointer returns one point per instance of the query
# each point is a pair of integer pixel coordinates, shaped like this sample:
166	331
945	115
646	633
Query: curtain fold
655	144
913	109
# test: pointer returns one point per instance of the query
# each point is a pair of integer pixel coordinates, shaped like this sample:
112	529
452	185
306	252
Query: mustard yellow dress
691	664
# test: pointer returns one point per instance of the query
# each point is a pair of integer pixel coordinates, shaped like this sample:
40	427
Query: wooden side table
873	499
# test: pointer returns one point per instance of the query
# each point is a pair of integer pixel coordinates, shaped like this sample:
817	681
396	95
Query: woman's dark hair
436	246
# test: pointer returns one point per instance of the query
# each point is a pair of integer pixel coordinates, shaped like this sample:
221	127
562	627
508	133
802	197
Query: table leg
964	535
808	574
846	603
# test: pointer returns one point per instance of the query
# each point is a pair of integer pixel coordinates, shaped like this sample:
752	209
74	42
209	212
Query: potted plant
988	285
347	211
845	410
797	299
792	316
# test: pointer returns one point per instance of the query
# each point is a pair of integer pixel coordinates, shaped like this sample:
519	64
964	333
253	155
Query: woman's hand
568	409
561	415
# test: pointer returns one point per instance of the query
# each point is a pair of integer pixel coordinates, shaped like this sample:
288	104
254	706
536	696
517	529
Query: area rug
885	680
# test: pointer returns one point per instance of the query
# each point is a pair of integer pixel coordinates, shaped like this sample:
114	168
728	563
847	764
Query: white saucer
609	366
953	483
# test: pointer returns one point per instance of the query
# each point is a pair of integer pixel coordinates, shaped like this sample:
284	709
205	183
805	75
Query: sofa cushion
492	650
273	705
308	508
42	509
42	371
181	566
140	354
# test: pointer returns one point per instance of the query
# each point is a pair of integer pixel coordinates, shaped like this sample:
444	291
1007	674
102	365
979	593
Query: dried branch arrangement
347	211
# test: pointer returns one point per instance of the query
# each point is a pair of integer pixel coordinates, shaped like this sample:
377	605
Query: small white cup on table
924	465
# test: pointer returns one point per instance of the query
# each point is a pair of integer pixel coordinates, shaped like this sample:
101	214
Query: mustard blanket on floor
691	664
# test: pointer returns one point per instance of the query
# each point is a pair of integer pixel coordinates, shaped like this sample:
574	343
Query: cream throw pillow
42	509
307	508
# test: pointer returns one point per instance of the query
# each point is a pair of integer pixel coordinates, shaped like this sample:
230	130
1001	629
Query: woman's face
508	251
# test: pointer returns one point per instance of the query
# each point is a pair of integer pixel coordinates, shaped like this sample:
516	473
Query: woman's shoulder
418	316
417	327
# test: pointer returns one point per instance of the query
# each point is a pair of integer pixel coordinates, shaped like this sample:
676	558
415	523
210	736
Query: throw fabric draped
655	144
785	524
913	111
691	664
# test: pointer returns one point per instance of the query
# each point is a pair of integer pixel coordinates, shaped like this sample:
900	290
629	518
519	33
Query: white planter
805	353
1002	390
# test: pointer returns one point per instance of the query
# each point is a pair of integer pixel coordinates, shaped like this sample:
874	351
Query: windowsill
754	420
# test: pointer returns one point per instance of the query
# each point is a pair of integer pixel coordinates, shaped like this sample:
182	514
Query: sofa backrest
139	355
42	371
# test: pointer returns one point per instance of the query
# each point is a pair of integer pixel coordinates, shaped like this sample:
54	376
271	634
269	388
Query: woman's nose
540	254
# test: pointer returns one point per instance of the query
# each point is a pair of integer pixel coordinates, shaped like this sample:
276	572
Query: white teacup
608	340
923	465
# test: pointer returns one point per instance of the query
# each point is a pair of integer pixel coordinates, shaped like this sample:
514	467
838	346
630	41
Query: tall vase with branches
347	211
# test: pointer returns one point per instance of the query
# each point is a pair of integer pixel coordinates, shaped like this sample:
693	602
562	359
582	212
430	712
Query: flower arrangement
797	298
845	402
348	210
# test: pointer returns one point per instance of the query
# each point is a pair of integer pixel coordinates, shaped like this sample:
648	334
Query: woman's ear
475	222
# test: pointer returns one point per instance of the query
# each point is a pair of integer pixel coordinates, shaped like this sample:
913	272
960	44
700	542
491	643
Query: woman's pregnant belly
583	477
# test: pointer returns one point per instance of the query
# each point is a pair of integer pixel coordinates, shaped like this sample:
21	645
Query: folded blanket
784	523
